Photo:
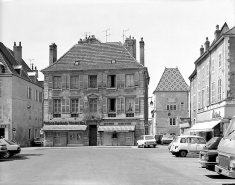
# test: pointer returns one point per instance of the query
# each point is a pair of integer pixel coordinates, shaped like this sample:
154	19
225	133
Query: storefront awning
204	127
64	127
116	128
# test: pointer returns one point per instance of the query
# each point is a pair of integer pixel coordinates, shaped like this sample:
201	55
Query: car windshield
149	137
230	132
10	142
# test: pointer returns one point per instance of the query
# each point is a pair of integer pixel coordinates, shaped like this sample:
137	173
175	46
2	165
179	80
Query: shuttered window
93	104
93	81
57	82
57	106
65	105
130	81
74	105
111	81
129	104
219	89
74	82
29	93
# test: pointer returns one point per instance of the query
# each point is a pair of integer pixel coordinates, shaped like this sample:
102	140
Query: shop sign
216	114
108	123
3	126
124	123
117	131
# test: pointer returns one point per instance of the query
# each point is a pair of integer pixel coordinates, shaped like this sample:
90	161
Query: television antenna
123	34
106	35
30	64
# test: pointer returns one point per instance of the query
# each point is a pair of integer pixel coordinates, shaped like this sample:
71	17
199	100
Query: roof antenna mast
106	35
123	34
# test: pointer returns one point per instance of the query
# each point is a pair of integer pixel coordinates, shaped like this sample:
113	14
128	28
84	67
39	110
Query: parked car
146	141
166	139
38	141
207	157
184	144
12	148
3	149
158	138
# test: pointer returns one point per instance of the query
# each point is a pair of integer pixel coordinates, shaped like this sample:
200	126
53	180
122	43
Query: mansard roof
94	56
172	80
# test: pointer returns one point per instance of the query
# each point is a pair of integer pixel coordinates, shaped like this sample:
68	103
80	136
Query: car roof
189	136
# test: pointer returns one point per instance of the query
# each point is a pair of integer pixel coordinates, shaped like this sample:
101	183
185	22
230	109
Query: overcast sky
173	30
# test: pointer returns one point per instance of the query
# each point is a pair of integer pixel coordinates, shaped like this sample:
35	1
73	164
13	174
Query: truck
226	152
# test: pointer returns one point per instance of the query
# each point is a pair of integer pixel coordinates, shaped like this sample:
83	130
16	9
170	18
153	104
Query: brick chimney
201	50
142	51
207	44
18	53
130	45
217	32
52	53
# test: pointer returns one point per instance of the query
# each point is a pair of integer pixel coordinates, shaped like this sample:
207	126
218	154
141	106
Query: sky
173	30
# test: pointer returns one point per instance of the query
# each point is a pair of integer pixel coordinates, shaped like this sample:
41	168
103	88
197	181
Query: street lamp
151	102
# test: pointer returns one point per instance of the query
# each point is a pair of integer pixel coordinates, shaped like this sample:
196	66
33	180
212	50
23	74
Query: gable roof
172	80
95	56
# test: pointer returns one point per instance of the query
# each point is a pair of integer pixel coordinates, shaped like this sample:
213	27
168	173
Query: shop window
111	81
93	81
93	105
74	108
114	136
74	82
57	108
130	81
57	83
112	107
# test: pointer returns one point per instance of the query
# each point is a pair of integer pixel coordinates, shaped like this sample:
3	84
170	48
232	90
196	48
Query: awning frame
206	126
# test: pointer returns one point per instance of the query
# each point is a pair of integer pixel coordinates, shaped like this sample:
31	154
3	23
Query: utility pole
124	35
106	35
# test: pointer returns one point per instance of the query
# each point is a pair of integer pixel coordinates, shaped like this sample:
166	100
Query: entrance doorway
92	135
2	132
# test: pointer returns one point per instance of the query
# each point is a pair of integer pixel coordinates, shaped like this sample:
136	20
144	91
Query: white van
182	145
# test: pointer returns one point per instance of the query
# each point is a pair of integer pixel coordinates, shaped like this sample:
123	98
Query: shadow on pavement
19	157
218	176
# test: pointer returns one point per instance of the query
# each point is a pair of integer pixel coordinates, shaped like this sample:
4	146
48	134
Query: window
213	92
93	81
2	69
182	105
203	98
203	74
36	116
111	81
74	82
74	108
93	105
172	121
29	133
212	65
194	102
171	106
57	108
57	82
129	104
36	95
220	60
30	116
207	69
198	99
0	88
208	95
1	113
219	89
130	81
29	93
35	133
40	97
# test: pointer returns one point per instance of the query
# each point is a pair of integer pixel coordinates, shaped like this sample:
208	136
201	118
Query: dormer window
113	61
76	63
2	68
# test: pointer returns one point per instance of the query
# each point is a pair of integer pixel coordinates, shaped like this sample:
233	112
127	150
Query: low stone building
95	94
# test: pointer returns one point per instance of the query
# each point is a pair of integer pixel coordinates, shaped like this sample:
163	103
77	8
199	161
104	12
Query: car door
200	144
192	144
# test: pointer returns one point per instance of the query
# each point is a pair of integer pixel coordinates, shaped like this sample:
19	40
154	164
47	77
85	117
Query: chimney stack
207	44
201	50
217	32
52	53
130	45
142	51
18	53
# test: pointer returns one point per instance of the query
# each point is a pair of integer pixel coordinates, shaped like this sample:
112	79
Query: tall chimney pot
201	50
142	51
217	32
18	53
52	53
207	44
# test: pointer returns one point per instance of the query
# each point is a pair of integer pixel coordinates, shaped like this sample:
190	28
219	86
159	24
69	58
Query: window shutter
122	81
0	88
50	106
118	105
122	105
81	81
137	78
63	106
86	106
85	81
104	80
99	80
68	82
104	105
50	84
109	81
67	105
81	106
137	105
118	80
63	81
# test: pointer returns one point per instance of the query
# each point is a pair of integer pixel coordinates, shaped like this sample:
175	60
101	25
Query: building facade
212	85
20	97
171	98
95	94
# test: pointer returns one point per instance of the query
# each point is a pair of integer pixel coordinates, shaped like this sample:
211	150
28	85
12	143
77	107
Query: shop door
108	138
128	138
75	138
2	132
93	135
56	139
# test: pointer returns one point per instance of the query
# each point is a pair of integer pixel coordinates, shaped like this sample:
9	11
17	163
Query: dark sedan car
38	141
207	156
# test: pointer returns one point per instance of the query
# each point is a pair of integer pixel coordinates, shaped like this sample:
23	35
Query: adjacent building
171	98
213	84
95	94
20	97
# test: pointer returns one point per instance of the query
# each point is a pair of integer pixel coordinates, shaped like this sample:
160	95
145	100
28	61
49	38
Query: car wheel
177	155
154	146
138	146
6	155
183	153
142	145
